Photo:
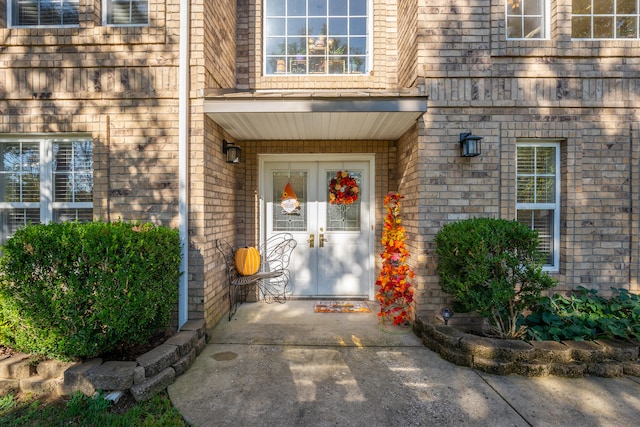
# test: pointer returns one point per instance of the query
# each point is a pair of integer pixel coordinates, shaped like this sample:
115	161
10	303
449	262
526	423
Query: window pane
581	7
12	219
313	34
581	27
545	190
275	27
526	189
357	7
532	28
296	8
603	27
343	217
526	158
45	12
337	7
542	222
20	174
338	26
317	7
72	173
276	8
546	160
127	12
514	28
627	28
293	220
80	215
626	6
603	6
533	7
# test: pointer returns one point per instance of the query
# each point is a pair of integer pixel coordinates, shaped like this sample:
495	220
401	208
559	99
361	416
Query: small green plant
493	267
585	315
74	290
81	410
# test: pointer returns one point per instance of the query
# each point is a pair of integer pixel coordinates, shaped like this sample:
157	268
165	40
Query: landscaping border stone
603	358
149	373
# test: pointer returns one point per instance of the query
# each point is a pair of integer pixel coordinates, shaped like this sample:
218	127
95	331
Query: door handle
322	240
312	240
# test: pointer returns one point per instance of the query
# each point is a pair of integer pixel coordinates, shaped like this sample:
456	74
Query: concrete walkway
284	365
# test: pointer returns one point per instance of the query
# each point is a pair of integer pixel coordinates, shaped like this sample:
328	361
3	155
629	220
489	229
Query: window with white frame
43	180
538	195
527	19
43	13
605	19
126	12
316	36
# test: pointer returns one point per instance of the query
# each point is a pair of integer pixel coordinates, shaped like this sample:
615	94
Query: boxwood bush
73	291
492	266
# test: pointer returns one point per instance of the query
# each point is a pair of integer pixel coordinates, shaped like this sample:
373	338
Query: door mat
341	307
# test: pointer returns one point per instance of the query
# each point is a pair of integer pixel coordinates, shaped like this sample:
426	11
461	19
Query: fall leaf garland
395	292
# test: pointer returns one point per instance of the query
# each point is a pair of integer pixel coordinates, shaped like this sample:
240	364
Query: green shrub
492	266
585	315
74	290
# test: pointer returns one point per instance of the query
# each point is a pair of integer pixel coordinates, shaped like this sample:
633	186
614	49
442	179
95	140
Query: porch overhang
323	115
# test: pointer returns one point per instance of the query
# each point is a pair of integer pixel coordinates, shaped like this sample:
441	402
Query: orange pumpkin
247	261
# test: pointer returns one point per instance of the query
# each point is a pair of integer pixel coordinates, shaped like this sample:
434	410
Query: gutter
183	163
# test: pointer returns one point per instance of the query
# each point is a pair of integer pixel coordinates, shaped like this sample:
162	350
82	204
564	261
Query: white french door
334	252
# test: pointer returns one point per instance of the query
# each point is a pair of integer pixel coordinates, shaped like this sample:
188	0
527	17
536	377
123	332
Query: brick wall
579	93
250	48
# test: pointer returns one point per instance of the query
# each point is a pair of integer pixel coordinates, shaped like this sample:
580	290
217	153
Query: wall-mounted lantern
232	151
446	315
469	144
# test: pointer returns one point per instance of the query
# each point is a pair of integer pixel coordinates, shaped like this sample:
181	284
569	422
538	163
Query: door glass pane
296	220
342	217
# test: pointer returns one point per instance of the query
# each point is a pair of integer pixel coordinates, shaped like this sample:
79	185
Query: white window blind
44	180
126	12
537	195
40	13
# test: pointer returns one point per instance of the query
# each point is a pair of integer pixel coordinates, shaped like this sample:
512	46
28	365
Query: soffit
343	115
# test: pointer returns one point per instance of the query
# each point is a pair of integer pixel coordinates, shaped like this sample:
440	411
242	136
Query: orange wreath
343	189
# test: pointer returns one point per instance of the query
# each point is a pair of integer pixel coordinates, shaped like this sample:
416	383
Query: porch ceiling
315	116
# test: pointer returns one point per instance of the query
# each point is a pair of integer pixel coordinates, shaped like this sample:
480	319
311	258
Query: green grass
85	411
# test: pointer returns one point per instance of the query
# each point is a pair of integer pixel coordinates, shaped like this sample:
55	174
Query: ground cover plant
80	410
76	291
585	315
493	267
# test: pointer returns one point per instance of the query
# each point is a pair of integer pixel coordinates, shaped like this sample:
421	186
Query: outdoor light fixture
469	145
446	315
232	151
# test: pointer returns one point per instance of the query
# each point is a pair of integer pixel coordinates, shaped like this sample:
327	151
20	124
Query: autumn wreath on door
343	189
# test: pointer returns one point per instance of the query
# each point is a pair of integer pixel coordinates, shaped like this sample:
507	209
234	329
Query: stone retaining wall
603	358
149	373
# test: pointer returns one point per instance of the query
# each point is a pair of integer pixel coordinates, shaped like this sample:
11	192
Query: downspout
183	163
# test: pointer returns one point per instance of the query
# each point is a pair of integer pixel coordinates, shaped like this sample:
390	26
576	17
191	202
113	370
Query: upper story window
43	180
605	19
527	19
538	195
126	12
43	13
316	37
